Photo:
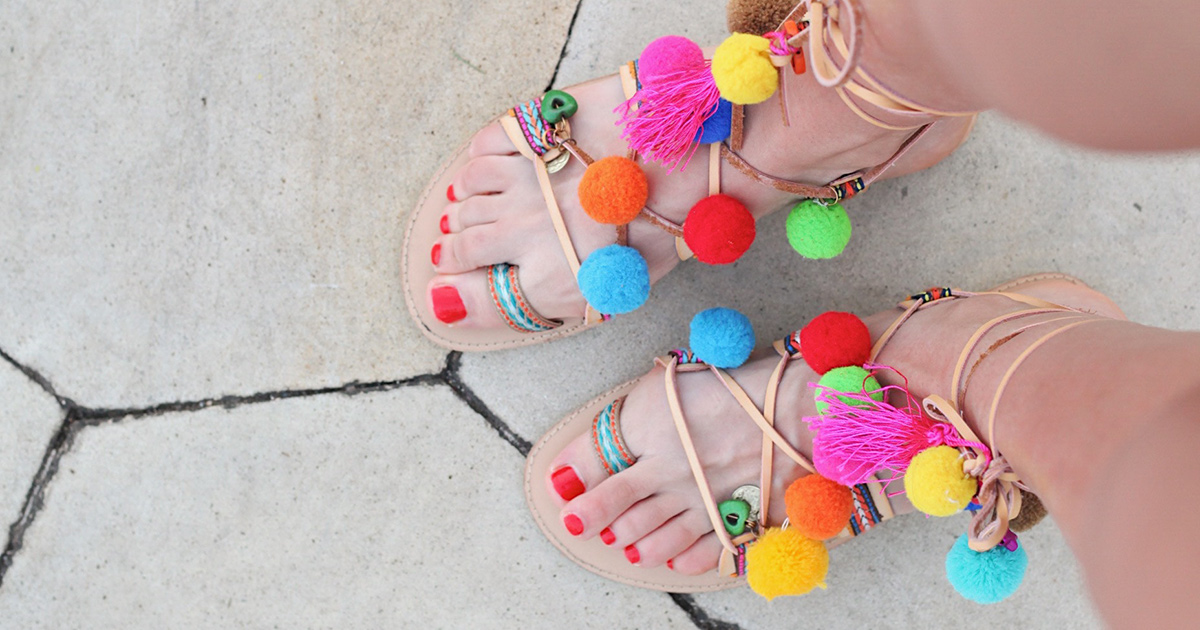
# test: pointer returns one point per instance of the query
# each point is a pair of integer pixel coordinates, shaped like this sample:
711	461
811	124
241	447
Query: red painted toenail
450	193
447	305
573	524
444	224
671	564
566	483
607	536
435	254
632	555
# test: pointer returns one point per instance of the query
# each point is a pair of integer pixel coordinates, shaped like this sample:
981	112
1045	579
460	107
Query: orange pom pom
613	190
818	507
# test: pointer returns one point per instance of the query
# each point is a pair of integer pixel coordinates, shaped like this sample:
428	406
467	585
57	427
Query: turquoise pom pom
986	577
722	337
614	279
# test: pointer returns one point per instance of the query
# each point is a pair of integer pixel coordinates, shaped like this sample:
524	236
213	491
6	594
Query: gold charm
750	494
557	163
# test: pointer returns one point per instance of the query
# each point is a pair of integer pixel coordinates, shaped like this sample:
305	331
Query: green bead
734	514
557	105
818	230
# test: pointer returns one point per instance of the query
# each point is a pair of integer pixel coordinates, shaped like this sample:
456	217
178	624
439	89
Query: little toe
671	538
488	174
701	557
491	140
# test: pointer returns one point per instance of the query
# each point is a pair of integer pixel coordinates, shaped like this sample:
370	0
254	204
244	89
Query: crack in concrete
79	417
699	616
562	53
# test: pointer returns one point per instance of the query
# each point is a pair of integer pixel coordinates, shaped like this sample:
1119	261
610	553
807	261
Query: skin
1101	420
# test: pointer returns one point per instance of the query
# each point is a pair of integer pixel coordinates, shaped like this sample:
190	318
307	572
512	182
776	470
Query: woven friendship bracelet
513	307
606	439
865	515
538	133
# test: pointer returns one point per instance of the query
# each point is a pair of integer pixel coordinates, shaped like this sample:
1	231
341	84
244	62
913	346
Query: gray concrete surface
200	214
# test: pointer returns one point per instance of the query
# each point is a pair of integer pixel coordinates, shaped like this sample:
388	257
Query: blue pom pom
986	577
722	337
716	127
615	279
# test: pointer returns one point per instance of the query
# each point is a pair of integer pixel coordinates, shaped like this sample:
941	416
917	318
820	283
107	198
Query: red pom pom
817	507
718	230
613	190
835	340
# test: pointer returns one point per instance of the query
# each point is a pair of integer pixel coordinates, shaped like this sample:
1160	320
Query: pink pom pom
662	119
667	54
859	436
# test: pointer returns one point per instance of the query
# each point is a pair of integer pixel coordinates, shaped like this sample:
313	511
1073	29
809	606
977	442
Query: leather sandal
665	127
850	504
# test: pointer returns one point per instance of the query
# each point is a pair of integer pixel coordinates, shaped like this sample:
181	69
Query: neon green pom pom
852	380
742	69
936	484
818	231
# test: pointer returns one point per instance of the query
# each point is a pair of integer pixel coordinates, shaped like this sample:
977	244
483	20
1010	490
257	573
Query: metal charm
750	494
557	163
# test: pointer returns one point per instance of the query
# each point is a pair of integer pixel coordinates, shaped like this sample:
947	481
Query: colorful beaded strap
511	302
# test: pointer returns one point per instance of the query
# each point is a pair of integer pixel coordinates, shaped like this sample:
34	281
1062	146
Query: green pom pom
852	380
818	231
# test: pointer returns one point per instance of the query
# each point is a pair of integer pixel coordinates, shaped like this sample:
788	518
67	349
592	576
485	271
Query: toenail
447	305
444	224
573	524
607	536
435	254
566	483
450	193
632	555
671	564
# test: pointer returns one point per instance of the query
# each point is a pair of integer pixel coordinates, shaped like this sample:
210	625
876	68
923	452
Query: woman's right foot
653	513
497	214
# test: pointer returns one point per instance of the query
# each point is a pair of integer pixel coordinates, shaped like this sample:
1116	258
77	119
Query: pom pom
721	337
742	69
785	562
818	507
1032	513
615	279
834	340
719	229
717	127
613	190
817	231
756	16
666	55
851	379
986	577
936	484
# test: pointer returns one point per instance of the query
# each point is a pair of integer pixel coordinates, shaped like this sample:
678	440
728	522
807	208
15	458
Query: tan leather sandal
870	504
615	279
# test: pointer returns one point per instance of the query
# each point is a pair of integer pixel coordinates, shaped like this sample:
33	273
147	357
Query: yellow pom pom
742	69
936	484
785	562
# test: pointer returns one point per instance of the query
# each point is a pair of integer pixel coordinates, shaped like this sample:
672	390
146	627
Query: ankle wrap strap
999	494
836	27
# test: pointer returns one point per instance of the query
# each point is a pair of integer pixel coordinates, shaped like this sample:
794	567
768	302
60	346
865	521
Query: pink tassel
669	114
859	436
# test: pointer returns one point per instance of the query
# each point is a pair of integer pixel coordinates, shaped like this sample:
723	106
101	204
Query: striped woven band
866	515
513	307
538	133
606	439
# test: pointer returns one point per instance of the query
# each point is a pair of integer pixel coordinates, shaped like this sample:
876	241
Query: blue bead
716	128
615	279
722	337
987	577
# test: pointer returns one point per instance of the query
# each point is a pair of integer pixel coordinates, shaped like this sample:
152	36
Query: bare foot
653	511
499	215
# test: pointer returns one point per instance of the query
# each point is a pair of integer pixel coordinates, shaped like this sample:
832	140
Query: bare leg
1098	73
